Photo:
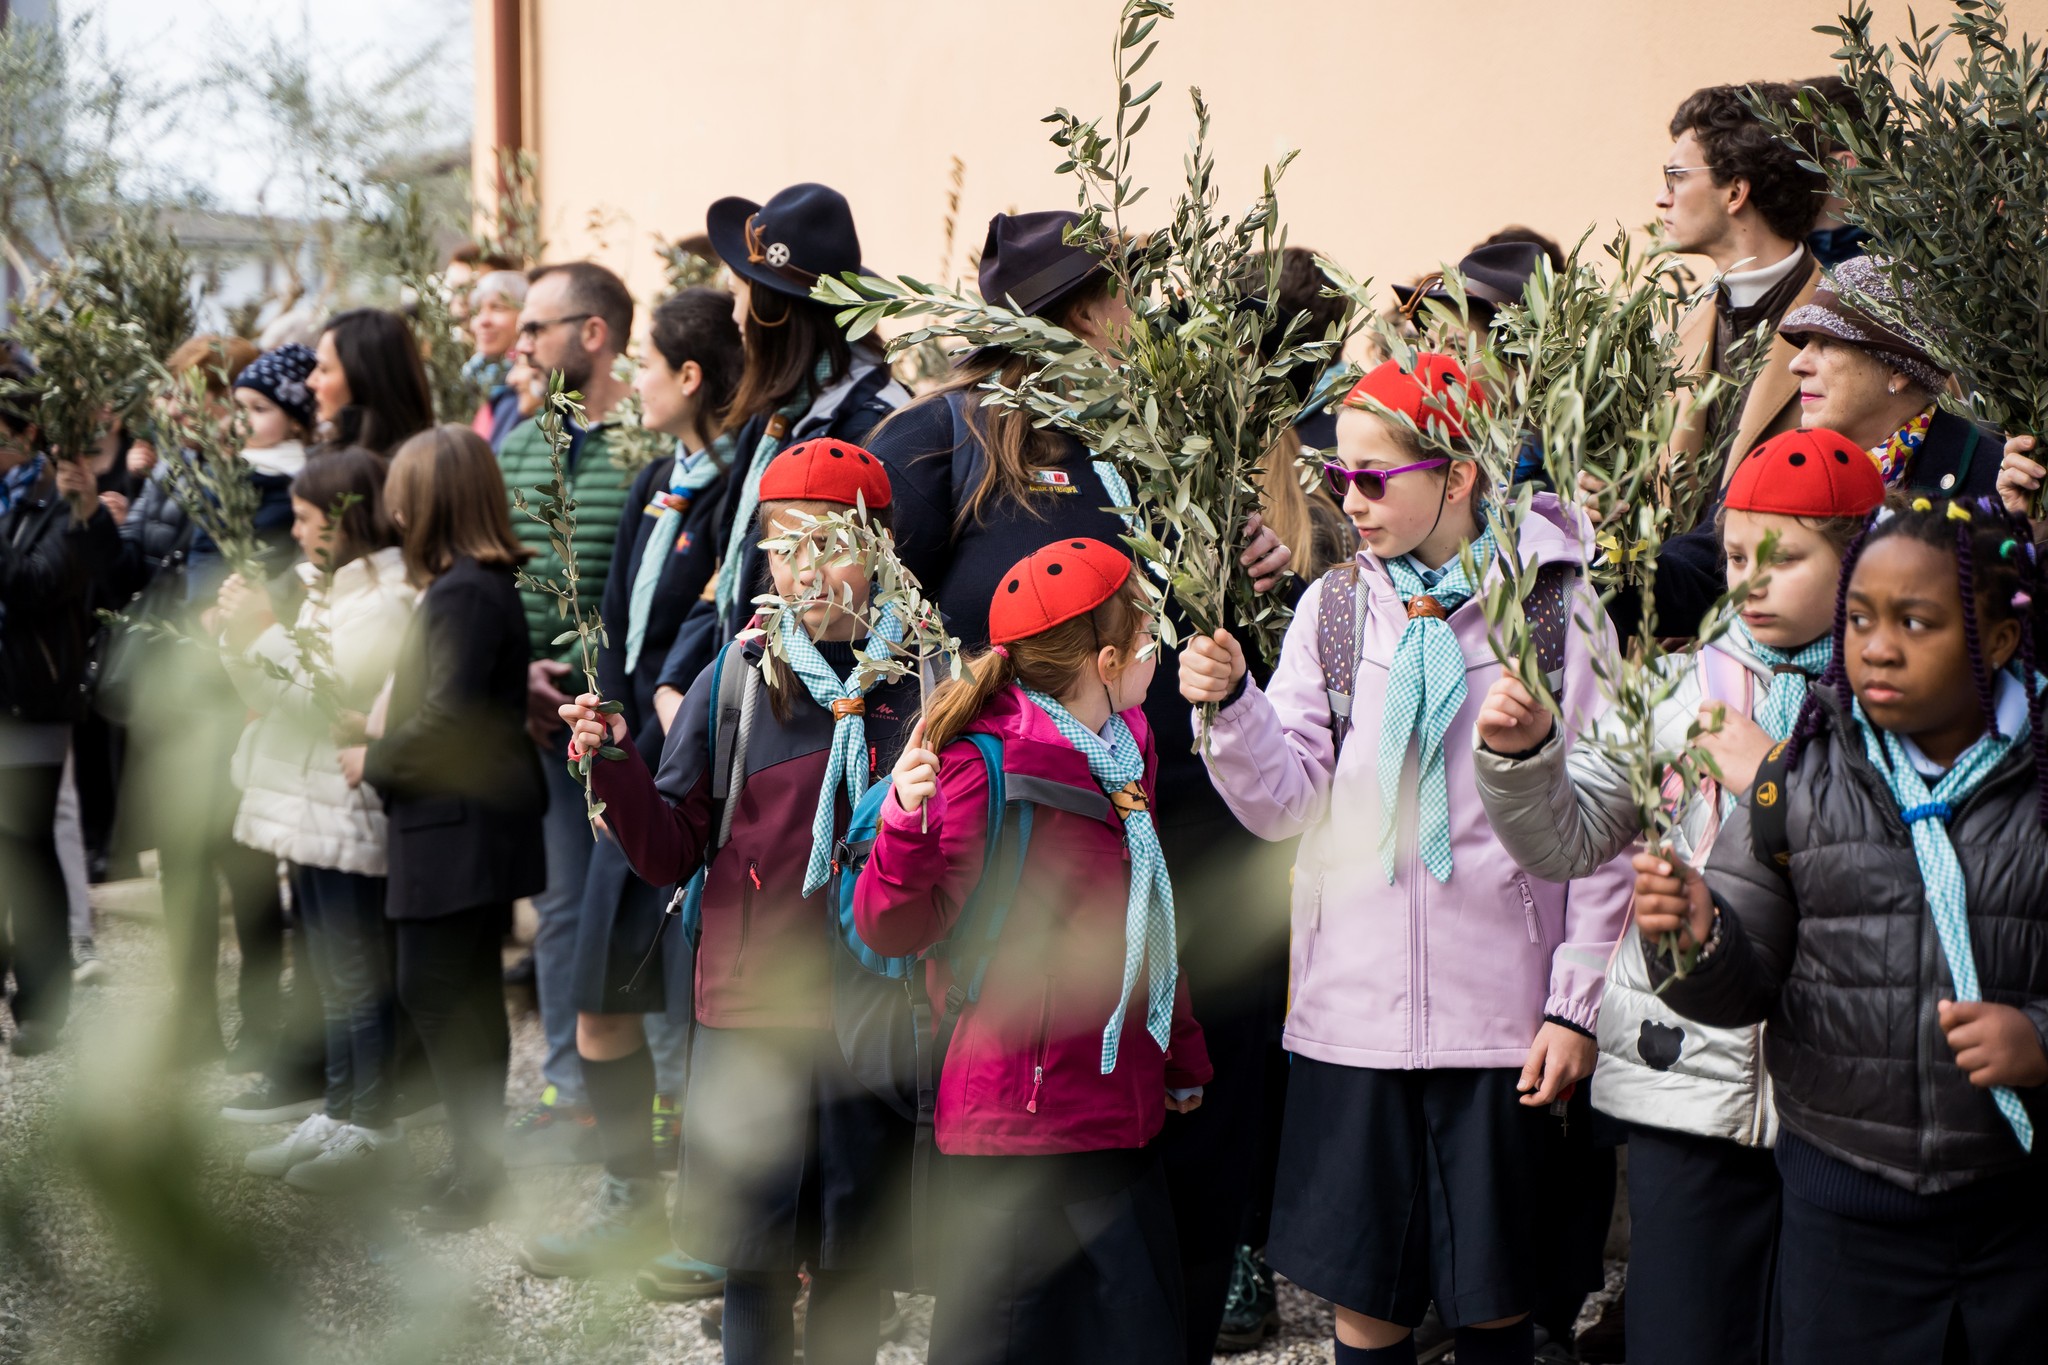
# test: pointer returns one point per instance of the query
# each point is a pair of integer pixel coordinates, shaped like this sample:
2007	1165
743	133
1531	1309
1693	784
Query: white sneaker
305	1142
356	1159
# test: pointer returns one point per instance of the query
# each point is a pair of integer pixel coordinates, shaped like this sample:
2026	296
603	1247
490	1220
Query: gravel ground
129	1231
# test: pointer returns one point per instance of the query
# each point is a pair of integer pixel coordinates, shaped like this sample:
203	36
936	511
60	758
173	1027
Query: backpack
736	699
1548	607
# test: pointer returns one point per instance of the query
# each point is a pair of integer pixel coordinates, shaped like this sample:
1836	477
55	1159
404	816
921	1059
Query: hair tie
1921	505
2021	601
2006	548
1958	512
1003	650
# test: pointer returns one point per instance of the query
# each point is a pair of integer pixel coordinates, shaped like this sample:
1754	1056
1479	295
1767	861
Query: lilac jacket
1417	973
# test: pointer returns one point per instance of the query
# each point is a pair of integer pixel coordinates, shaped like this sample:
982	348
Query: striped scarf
847	758
765	451
1927	814
691	476
1896	454
1118	766
1425	689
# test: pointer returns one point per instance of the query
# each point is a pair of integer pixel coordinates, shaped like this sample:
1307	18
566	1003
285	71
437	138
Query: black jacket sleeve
1739	984
616	605
446	744
916	447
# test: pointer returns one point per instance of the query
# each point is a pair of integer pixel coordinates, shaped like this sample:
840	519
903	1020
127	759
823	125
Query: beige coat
1772	403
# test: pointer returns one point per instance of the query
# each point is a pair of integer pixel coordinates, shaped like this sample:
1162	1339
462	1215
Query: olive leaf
92	363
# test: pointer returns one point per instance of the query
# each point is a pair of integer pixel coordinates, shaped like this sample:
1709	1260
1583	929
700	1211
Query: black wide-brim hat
1494	276
786	244
1027	263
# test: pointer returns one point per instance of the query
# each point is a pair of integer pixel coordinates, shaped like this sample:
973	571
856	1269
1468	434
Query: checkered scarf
847	759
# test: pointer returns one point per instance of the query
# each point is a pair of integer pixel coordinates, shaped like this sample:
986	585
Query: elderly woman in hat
1874	381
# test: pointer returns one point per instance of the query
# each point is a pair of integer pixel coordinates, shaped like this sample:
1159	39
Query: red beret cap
1065	579
1812	473
1423	397
826	470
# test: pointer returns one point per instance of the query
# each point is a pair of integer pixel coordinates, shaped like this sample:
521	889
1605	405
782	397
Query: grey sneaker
624	1225
552	1133
356	1159
86	967
304	1143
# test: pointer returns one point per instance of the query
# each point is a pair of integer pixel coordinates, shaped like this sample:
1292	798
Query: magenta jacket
1023	1074
1414	974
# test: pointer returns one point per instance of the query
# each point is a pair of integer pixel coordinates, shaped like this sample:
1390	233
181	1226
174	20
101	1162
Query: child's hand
351	761
2019	477
1994	1044
1559	1059
917	772
589	728
1186	1106
1737	743
1510	720
1210	667
1671	899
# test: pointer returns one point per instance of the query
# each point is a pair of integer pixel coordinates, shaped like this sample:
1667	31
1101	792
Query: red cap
1812	473
1067	578
826	470
1422	397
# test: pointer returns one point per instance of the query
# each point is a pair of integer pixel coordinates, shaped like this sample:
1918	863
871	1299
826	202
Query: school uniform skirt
1068	1259
627	944
788	1160
1402	1188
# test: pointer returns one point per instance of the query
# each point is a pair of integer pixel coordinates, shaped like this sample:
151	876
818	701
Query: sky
177	45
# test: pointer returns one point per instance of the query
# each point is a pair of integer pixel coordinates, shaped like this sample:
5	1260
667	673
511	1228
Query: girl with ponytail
1061	1069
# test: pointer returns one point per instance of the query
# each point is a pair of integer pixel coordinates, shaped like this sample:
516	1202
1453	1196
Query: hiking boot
268	1102
303	1143
668	1134
624	1225
468	1202
356	1159
552	1134
86	967
1251	1311
675	1278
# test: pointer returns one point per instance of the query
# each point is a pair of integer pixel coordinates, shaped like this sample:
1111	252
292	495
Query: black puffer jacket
48	564
156	533
1837	950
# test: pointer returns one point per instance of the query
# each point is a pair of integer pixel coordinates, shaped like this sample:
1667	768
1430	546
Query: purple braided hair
1966	581
1812	713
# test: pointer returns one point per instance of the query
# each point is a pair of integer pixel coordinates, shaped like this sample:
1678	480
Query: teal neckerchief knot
847	758
1793	672
1115	762
689	478
765	450
1927	814
1425	690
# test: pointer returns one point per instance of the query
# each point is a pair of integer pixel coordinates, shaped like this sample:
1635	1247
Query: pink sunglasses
1372	483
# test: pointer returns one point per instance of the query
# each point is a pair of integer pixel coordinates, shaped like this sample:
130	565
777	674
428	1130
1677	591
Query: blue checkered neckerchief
18	481
1117	764
765	451
1927	813
1792	673
1425	689
691	475
847	761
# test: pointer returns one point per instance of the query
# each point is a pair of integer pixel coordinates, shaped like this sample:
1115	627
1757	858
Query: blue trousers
567	836
352	948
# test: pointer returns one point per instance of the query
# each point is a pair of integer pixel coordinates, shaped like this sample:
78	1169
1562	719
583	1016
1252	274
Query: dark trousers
450	984
1969	1287
34	915
342	925
1575	1206
1703	1236
96	759
193	875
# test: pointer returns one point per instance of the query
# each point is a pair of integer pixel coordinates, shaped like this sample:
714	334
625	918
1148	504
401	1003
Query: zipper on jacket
1042	1046
1529	909
747	890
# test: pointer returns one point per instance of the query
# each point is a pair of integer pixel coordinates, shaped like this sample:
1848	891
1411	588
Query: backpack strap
1548	608
1770	839
736	697
1337	643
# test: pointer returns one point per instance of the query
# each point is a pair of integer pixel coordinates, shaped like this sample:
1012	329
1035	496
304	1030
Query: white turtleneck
1745	287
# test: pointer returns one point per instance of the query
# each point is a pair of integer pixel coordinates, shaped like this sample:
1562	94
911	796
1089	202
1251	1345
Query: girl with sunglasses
1442	1000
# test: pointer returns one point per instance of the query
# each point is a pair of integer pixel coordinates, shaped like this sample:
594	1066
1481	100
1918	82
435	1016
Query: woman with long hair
369	387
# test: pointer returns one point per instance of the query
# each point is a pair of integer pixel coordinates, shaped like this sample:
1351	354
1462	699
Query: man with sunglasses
576	320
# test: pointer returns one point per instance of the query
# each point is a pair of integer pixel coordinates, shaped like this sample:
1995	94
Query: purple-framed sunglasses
1372	483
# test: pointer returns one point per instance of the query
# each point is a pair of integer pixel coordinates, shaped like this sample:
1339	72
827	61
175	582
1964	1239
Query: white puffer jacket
294	801
1563	812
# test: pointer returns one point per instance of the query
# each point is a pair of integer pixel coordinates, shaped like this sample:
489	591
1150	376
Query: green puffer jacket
599	488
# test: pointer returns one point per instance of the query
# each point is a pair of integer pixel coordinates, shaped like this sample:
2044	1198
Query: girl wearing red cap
1061	1070
1442	1001
1877	900
1703	1186
787	1160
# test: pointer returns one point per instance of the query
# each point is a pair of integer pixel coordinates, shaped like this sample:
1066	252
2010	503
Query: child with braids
1063	1064
788	1161
1703	1186
1881	899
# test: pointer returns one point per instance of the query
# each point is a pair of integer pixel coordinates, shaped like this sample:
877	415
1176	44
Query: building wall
1421	128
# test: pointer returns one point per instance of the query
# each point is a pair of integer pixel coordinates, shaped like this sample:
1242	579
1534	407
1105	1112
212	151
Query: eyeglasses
1671	174
530	330
1371	483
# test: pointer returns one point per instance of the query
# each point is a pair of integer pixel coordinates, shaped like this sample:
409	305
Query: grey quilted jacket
1562	813
1838	951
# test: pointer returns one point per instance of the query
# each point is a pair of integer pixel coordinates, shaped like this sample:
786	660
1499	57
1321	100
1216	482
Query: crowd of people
863	981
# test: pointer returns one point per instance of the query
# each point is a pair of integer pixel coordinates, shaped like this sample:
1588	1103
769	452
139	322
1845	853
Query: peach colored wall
1422	127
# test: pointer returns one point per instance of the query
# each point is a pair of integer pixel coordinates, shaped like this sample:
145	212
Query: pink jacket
1023	1076
1417	973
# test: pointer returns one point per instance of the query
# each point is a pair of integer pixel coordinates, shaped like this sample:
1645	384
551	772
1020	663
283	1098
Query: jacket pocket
1299	984
748	887
1529	910
1041	1048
